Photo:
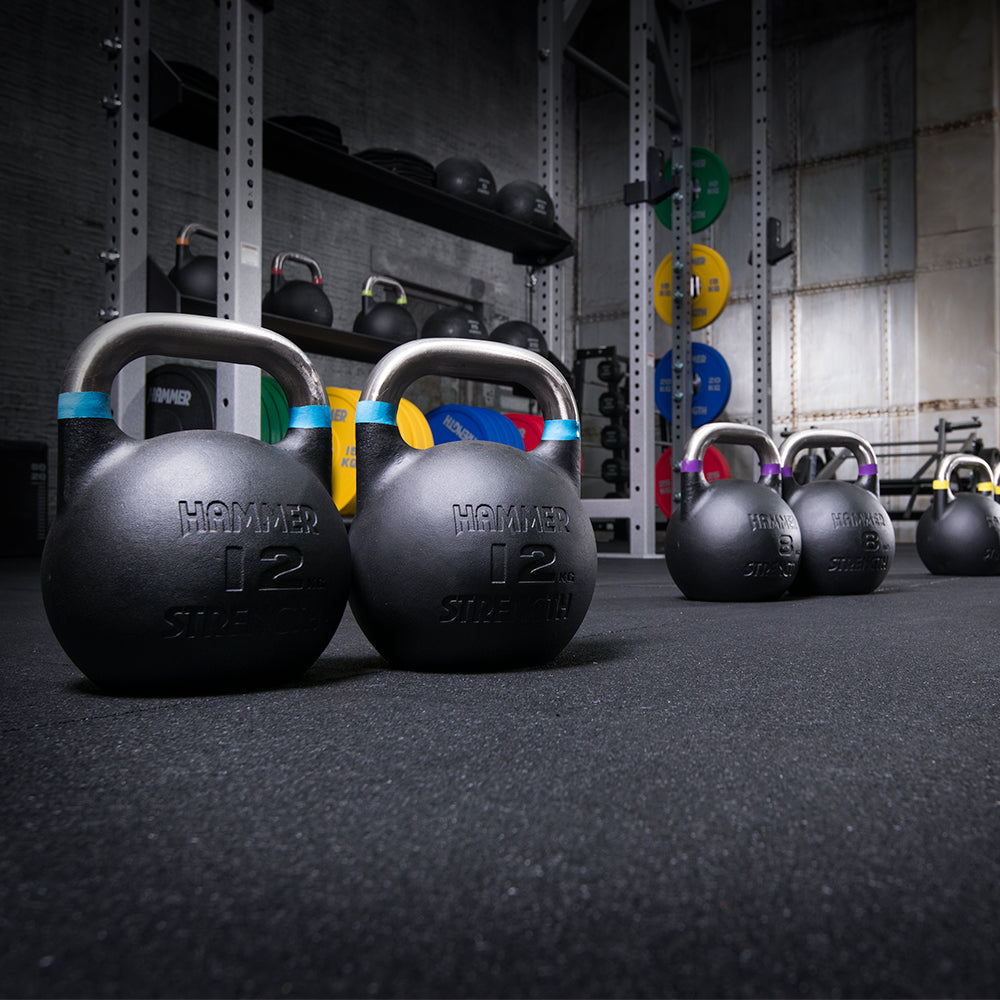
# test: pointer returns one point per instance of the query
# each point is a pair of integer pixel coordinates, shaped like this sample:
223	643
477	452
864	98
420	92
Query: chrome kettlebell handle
368	292
950	463
819	437
731	433
186	232
462	358
278	265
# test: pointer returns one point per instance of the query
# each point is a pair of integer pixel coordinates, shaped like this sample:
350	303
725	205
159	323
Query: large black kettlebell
471	554
847	539
298	299
732	540
387	320
194	275
959	534
199	559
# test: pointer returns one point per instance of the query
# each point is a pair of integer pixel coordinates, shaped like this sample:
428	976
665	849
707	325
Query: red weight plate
530	427
714	466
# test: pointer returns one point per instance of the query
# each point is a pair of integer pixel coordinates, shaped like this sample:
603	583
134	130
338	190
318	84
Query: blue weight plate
712	378
504	431
453	422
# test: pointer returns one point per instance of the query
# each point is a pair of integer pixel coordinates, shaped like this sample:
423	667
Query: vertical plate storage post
126	103
549	105
241	46
761	168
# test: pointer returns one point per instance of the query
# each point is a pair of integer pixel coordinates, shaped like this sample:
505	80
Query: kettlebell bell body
732	540
848	543
297	299
454	321
194	275
959	534
198	559
469	555
386	320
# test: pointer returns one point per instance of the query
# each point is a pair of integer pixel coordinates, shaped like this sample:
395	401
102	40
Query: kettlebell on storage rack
199	559
732	540
194	275
469	555
847	539
959	535
302	300
386	320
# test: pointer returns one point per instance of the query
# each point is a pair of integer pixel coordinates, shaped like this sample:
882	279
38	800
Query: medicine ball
454	321
527	202
468	178
517	333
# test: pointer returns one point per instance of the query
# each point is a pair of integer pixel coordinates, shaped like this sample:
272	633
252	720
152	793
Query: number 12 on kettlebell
470	554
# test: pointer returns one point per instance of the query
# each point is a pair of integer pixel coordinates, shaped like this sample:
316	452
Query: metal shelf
184	110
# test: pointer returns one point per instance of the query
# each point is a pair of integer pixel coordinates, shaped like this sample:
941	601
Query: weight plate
529	426
710	182
714	466
713	273
274	409
712	384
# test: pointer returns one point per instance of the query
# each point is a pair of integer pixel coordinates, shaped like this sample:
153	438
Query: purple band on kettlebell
371	411
868	470
786	472
73	405
769	468
691	465
561	430
316	415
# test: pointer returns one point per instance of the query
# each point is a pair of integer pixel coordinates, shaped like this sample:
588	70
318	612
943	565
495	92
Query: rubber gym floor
797	798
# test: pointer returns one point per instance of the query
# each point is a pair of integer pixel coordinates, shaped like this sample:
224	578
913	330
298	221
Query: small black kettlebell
194	275
298	299
386	320
848	543
959	534
732	540
199	559
471	554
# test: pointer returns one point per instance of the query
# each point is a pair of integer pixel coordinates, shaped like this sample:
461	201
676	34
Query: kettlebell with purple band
471	554
200	559
732	540
847	539
959	534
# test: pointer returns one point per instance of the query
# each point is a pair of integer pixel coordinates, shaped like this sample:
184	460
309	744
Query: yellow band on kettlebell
941	484
985	487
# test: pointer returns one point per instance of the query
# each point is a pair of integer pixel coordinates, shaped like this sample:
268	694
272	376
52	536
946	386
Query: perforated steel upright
761	176
241	46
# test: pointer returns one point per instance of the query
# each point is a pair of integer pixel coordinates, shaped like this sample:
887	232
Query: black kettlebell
526	202
959	534
466	178
454	321
298	299
200	559
194	275
518	333
732	540
471	554
387	320
848	543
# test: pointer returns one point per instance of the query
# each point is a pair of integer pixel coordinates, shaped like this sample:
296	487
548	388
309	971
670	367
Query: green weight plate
711	190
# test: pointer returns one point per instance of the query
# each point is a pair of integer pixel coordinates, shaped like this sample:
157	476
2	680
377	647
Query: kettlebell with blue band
471	554
200	559
848	543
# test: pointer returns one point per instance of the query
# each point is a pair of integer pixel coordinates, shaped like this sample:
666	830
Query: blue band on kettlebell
691	465
73	405
561	430
868	470
371	411
316	415
770	469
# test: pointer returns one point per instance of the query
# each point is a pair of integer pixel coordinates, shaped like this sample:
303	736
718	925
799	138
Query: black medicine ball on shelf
467	178
454	321
517	333
527	202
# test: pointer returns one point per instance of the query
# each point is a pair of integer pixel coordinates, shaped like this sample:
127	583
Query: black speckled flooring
800	798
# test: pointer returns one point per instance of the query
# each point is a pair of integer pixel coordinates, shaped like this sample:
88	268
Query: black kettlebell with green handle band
199	559
471	554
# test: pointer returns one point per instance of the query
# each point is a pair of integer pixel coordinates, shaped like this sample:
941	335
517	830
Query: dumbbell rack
147	91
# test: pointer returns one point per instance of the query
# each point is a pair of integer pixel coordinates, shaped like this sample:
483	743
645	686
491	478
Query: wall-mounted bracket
654	188
775	251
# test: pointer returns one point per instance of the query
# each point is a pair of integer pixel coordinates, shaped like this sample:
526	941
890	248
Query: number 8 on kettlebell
470	554
198	558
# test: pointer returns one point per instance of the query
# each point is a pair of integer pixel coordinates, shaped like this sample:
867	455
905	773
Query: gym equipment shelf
184	110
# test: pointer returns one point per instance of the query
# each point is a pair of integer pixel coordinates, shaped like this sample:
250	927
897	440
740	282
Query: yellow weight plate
413	428
714	280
